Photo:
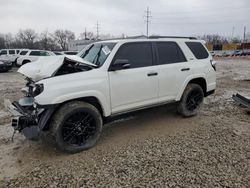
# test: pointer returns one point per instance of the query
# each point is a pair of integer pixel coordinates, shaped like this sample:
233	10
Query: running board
242	100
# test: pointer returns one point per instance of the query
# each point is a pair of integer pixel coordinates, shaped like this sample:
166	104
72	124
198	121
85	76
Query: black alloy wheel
78	128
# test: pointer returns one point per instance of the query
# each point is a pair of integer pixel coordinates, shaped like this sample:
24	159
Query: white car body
32	55
122	90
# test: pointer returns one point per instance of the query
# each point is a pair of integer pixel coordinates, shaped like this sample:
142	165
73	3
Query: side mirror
120	64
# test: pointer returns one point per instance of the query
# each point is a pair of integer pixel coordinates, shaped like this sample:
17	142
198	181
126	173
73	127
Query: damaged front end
28	117
24	119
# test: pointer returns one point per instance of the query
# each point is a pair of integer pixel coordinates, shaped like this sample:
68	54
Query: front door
136	86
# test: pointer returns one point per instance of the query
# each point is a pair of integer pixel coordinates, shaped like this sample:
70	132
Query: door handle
185	69
152	74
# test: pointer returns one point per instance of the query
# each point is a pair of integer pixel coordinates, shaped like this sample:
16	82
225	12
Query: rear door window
198	50
169	52
35	53
138	54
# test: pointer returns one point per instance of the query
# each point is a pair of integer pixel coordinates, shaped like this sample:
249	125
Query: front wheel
76	126
191	100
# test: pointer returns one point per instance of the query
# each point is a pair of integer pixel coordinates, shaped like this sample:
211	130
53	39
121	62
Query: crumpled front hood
45	67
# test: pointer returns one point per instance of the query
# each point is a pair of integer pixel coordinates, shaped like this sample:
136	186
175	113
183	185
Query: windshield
97	53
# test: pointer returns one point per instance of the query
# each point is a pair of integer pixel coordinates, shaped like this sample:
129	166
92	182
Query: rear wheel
76	126
25	61
191	100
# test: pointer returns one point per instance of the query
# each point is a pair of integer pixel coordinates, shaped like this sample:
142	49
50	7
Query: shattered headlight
38	89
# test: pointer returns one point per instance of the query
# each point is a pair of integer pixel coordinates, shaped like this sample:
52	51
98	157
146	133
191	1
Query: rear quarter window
169	52
23	52
198	50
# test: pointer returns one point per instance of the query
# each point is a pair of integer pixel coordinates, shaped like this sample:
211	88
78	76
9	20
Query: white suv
68	98
31	55
10	54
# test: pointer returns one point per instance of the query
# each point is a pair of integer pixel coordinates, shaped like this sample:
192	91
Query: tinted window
35	53
3	52
138	54
43	53
70	53
17	51
11	51
169	52
198	50
23	52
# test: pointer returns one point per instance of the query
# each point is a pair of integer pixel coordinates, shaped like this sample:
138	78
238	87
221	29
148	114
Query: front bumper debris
23	119
242	100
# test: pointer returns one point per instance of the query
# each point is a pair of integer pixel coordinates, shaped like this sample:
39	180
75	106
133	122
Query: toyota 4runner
69	98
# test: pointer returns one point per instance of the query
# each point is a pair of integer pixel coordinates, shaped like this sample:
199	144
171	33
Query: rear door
34	55
136	86
173	69
12	55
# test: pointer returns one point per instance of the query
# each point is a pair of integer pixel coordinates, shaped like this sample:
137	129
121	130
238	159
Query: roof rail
158	37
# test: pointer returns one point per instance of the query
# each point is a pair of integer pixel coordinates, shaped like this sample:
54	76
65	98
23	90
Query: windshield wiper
97	57
87	51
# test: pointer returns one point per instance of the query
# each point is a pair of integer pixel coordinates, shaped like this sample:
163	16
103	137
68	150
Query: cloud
179	17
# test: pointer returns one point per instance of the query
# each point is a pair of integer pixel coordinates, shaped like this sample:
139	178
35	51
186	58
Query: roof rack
179	37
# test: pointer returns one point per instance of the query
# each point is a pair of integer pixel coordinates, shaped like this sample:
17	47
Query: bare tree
62	37
87	35
8	40
236	40
214	39
27	37
47	41
2	41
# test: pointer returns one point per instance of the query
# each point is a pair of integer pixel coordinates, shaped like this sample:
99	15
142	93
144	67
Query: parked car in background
32	55
5	65
10	54
238	53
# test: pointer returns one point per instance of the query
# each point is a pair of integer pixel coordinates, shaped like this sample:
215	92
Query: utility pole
233	32
244	38
147	16
97	30
244	34
85	34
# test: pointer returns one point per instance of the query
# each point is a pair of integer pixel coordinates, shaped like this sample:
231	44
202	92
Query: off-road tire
182	106
66	111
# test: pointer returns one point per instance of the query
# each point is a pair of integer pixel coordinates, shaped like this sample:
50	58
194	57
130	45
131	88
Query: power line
147	16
